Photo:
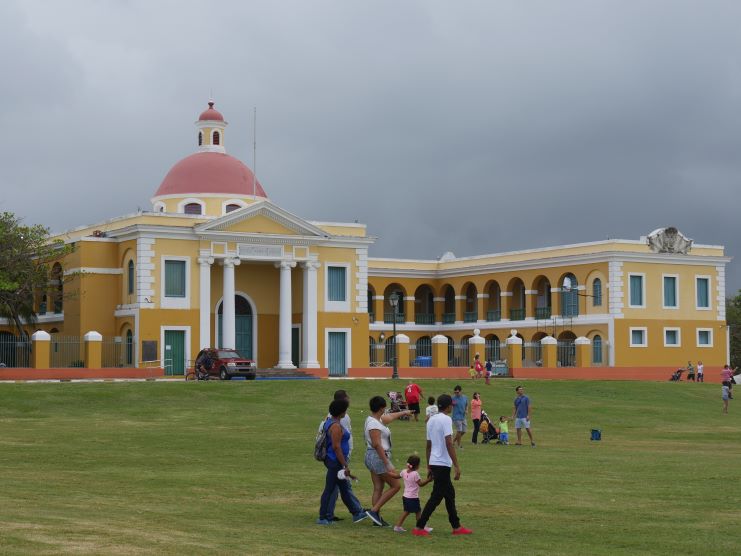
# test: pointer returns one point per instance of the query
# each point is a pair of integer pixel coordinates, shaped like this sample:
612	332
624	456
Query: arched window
424	347
232	207
597	350
131	277
57	279
569	296
216	138
192	208
129	348
200	138
597	292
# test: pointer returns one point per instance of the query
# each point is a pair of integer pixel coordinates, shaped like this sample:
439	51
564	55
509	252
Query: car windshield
230	354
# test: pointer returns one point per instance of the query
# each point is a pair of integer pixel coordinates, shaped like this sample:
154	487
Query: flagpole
254	154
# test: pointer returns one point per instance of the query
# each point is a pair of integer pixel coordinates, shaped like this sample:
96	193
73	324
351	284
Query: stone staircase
283	374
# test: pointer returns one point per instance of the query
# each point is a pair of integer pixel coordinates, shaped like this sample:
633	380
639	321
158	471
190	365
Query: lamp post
394	301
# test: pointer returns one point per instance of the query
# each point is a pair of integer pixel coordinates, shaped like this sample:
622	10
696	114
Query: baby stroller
397	404
676	375
487	429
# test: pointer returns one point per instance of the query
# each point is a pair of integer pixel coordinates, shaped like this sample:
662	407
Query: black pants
476	425
442	488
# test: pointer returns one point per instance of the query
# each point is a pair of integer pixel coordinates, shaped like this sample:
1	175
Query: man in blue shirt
521	415
460	409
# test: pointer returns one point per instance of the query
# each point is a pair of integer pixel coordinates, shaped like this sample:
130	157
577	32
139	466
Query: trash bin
424	361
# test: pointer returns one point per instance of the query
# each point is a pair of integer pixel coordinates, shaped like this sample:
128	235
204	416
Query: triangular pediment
262	217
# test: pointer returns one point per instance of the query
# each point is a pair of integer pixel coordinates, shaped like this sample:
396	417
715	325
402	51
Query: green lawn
214	468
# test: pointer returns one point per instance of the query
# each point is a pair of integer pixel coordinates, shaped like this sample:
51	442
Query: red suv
225	363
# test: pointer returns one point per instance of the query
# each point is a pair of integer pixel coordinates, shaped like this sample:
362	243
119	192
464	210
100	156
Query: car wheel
223	375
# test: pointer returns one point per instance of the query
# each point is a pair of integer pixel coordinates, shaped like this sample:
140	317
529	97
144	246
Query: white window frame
337	306
224	204
645	336
676	291
679	336
159	206
643	290
697	337
188	201
348	346
710	297
174	302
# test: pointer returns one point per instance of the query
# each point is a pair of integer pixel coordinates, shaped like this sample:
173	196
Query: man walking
441	457
460	409
521	415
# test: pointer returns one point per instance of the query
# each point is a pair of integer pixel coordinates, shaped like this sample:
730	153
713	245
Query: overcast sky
473	127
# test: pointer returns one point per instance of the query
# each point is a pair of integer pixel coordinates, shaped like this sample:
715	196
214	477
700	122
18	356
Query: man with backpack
347	425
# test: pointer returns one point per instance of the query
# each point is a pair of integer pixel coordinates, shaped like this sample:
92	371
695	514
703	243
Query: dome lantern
211	126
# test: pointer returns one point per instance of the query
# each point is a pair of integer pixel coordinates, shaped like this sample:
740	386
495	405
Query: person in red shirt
412	393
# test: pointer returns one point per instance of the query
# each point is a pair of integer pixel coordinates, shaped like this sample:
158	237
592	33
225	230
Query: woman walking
378	456
476	416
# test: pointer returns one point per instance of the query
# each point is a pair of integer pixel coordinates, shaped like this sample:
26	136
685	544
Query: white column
309	336
284	318
228	320
205	301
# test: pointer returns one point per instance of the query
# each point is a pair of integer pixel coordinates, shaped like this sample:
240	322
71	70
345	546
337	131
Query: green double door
337	353
243	334
174	362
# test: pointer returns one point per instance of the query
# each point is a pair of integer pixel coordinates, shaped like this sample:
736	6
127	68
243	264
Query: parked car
225	363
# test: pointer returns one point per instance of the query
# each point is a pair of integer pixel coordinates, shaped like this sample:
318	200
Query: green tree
733	318
26	252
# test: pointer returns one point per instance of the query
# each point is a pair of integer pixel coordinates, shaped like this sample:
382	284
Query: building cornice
551	262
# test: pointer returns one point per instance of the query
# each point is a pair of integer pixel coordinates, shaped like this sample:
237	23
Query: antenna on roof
254	153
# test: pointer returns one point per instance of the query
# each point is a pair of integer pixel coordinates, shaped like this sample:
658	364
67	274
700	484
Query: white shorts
522	423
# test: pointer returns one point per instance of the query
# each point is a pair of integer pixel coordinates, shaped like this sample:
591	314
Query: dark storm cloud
470	126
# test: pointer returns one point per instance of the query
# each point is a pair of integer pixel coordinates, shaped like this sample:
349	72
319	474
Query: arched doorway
244	326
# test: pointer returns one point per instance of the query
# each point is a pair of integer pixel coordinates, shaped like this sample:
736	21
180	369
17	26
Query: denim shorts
374	463
522	423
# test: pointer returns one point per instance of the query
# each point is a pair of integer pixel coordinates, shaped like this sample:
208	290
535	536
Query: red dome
211	114
209	172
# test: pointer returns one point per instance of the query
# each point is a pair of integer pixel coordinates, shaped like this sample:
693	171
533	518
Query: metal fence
14	351
458	355
532	354
378	355
566	354
66	351
117	352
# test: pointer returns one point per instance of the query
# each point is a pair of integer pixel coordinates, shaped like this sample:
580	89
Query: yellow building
215	262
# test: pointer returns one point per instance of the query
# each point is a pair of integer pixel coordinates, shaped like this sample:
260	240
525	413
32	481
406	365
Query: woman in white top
378	456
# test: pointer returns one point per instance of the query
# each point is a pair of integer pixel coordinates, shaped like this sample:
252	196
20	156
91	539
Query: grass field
214	468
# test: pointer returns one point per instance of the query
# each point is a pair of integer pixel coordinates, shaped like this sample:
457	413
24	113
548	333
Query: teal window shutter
174	278
131	277
703	293
597	292
597	349
336	277
670	291
637	337
636	290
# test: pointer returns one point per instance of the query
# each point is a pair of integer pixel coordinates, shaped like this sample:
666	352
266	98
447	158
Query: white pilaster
284	318
204	303
309	360
228	321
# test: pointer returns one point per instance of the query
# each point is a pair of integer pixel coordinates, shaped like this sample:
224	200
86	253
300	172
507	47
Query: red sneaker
462	531
420	532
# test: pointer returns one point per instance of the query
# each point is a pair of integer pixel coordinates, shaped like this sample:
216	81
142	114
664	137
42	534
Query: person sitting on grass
338	450
410	498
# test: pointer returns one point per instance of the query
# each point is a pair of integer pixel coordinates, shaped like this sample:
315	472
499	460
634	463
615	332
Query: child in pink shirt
410	498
